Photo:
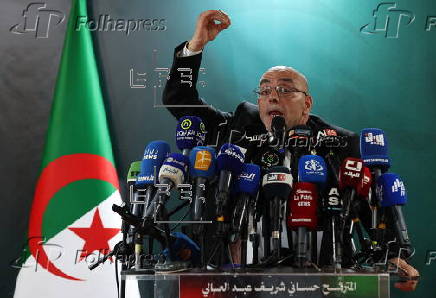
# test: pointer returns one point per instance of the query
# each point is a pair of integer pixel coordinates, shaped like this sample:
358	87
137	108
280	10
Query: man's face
294	107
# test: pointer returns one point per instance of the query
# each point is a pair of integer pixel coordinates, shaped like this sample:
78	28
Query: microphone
229	163
328	139
277	133
245	188
303	216
350	175
184	248
172	173
311	169
363	191
154	155
374	149
392	193
333	208
277	185
299	138
202	170
134	170
374	152
364	187
190	132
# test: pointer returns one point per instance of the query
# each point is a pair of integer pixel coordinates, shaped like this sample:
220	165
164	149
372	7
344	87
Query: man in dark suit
282	91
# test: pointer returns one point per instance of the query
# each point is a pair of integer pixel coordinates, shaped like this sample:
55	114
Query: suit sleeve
182	99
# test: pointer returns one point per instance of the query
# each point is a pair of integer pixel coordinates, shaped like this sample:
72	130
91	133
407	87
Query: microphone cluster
290	194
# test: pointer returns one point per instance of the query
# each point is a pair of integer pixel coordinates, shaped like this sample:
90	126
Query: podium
277	282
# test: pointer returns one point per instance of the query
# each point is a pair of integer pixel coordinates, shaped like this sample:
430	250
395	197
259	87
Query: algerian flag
71	222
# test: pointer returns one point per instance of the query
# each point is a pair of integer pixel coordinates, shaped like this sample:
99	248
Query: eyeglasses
281	91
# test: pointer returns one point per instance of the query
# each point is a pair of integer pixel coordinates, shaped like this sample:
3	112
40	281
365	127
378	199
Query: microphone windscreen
175	168
230	158
202	162
365	183
303	206
301	131
154	155
299	138
248	181
134	170
374	148
277	182
391	190
267	157
313	169
190	132
350	173
332	202
278	123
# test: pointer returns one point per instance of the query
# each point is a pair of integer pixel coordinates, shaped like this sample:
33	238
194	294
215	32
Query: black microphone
245	188
374	151
392	193
277	185
277	134
298	143
229	163
134	170
202	170
172	173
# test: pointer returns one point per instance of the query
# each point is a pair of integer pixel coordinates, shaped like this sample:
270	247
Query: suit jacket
244	128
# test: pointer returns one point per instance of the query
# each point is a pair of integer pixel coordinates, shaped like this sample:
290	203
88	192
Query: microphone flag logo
375	139
186	124
313	165
203	159
399	186
353	165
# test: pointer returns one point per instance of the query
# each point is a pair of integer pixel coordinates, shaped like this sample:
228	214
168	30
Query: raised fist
209	24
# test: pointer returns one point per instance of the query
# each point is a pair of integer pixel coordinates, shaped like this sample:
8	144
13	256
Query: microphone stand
254	236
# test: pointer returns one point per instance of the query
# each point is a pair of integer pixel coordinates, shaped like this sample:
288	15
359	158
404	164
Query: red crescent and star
56	175
96	236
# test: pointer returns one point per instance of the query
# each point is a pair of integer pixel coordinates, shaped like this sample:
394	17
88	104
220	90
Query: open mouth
275	113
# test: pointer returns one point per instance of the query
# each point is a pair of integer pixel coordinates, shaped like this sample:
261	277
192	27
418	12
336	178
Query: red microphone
303	206
350	176
364	186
